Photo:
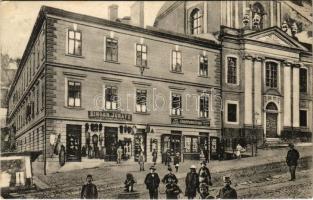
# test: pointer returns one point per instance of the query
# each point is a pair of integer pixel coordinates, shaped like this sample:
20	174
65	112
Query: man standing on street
119	153
292	161
152	182
227	192
204	174
89	190
192	183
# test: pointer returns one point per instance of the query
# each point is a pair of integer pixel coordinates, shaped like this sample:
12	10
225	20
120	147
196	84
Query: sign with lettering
109	115
190	122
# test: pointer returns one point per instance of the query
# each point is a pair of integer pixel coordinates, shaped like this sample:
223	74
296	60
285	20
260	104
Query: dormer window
195	20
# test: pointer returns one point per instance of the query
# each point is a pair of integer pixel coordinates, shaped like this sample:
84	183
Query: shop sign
109	115
190	122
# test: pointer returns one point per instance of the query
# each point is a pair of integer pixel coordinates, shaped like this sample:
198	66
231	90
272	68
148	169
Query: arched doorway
271	120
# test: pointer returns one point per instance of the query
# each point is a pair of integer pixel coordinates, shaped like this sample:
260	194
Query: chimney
137	14
113	12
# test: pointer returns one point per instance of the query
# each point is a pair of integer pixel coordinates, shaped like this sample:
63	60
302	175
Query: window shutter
104	47
66	41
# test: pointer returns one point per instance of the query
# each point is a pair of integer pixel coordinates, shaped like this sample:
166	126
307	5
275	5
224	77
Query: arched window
271	106
271	74
195	20
257	16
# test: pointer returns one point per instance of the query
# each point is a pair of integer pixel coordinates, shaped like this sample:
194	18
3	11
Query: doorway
271	120
110	142
73	142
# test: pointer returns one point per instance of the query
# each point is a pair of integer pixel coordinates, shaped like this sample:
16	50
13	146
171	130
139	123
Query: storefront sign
190	122
109	115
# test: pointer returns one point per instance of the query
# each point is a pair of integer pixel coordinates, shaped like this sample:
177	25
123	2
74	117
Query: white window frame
237	69
66	80
147	91
170	106
181	60
199	111
307	79
307	119
204	56
118	106
237	111
278	73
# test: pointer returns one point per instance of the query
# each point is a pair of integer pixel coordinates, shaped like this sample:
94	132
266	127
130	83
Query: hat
89	175
291	145
193	167
226	179
152	167
169	169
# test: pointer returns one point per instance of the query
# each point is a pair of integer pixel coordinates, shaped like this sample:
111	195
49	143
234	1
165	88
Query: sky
18	18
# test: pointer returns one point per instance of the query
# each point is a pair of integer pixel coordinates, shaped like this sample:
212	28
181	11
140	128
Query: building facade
87	85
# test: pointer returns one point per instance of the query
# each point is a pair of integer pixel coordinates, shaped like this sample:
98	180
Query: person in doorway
172	189
152	182
119	153
238	151
292	161
170	176
141	162
154	156
204	174
89	190
227	192
176	161
192	183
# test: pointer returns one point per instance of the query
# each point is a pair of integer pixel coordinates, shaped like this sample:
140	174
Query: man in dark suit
89	190
152	182
227	192
192	183
292	161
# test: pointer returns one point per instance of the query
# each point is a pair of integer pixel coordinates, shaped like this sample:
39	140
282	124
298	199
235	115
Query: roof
166	8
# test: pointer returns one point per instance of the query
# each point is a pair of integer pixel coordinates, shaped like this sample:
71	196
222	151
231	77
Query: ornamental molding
271	98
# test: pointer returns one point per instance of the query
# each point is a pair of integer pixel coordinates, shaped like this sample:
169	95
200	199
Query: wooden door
271	125
73	142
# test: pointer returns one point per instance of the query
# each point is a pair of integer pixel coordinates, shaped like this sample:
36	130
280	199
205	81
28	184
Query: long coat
89	191
169	176
192	184
227	192
152	181
292	157
172	191
205	175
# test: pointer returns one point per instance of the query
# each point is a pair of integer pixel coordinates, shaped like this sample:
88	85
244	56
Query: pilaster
258	90
248	60
287	93
296	94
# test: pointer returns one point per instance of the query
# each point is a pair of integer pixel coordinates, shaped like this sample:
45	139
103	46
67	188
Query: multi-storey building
87	85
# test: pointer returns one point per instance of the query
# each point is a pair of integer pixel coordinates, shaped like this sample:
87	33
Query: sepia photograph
156	99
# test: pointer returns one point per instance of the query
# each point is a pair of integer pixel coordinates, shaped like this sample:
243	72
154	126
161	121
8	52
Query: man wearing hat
292	161
204	191
89	190
172	189
204	174
152	182
192	183
170	176
227	192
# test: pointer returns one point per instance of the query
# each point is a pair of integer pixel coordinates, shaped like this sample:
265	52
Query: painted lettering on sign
190	122
109	115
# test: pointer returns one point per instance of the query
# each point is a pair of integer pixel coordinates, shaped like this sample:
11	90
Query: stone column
248	90
295	95
258	90
287	93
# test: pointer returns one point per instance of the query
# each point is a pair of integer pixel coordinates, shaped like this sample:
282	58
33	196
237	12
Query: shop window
204	106
191	144
74	94
303	80
141	100
195	21
303	118
203	68
232	112
111	98
74	43
176	61
141	55
232	70
176	104
111	50
271	74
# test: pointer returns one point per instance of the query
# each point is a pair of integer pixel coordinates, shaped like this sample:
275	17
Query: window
38	138
176	61
176	104
74	94
195	20
141	100
111	99
42	94
191	144
303	80
37	100
232	70
74	43
303	118
34	60
204	106
271	74
141	55
111	50
231	112
203	71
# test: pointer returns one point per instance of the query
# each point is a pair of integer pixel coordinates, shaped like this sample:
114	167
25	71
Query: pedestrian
238	151
176	161
292	161
192	183
89	190
152	182
204	174
119	153
129	183
172	190
227	192
141	162
154	156
204	191
169	177
168	158
206	154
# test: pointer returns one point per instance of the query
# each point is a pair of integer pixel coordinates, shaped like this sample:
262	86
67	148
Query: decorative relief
269	98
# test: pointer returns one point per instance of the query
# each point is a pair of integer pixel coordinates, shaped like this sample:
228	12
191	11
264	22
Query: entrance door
271	125
204	145
110	142
73	142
